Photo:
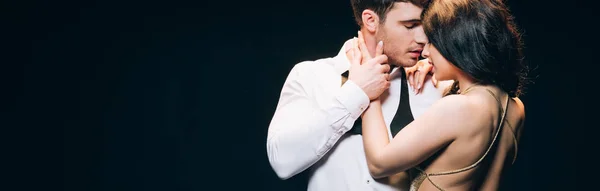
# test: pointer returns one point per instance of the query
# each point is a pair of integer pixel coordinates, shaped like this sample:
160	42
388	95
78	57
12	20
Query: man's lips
415	53
419	50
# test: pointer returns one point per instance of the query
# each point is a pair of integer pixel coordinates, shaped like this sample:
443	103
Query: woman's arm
420	139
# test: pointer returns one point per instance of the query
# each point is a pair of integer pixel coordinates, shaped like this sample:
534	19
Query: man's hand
370	74
418	73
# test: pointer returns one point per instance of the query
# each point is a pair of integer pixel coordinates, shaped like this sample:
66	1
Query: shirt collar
342	64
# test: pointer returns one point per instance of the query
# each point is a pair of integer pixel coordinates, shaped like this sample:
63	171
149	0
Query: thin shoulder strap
503	111
510	128
514	136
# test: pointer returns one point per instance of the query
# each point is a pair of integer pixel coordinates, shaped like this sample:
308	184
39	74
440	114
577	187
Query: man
314	124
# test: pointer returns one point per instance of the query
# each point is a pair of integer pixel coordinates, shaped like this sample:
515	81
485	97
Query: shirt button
368	181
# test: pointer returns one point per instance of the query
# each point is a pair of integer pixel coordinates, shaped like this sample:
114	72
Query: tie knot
404	77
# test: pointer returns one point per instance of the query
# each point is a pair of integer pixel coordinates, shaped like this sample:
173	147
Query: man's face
402	34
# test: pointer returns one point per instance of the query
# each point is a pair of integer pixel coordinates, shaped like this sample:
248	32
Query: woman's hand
371	74
416	75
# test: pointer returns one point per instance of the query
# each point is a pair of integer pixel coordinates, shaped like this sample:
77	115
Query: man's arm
301	131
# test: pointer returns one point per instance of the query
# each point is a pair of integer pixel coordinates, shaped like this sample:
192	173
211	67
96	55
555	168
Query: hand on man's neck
370	41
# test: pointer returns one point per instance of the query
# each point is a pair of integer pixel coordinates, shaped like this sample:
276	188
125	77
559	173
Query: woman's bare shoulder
520	107
463	109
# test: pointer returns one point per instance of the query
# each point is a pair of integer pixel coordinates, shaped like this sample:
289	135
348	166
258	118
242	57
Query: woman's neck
468	84
465	83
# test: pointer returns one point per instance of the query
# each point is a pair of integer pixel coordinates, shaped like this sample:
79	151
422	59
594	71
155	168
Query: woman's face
442	68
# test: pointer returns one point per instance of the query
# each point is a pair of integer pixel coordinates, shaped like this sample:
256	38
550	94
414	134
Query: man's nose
420	36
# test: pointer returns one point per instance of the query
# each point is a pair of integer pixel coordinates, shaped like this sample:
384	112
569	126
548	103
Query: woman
467	138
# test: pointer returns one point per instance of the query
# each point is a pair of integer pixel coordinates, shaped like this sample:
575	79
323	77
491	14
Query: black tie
403	115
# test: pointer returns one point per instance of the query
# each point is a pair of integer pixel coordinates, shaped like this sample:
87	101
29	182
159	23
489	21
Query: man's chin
408	62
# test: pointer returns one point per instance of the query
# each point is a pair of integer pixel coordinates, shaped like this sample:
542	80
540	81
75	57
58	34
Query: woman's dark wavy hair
480	38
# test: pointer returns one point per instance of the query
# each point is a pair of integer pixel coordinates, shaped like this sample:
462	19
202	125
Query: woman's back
455	167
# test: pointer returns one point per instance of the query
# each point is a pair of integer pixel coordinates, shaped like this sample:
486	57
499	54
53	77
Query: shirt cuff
353	98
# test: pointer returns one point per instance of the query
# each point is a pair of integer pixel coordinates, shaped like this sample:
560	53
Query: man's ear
370	20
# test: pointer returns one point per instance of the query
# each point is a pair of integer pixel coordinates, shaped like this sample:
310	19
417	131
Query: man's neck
370	41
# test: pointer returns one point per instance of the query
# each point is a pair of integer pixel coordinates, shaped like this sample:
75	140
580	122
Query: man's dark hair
480	38
380	7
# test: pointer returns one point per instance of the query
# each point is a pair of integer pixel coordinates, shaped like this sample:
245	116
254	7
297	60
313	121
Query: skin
403	40
457	127
400	38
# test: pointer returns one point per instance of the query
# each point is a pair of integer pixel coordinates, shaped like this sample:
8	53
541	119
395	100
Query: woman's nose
425	52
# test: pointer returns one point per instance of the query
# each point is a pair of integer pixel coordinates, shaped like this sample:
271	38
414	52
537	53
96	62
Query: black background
178	95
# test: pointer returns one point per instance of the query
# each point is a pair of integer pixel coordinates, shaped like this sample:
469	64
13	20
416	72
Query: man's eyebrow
411	21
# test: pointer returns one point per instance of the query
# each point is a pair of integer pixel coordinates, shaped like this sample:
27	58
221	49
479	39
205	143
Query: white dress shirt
314	112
